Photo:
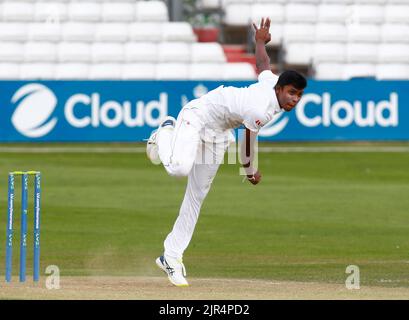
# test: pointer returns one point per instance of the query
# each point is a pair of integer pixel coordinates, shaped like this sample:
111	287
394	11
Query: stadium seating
145	31
44	32
339	39
74	52
115	32
330	32
9	71
134	39
71	71
207	52
77	31
177	31
138	71
12	52
13	31
40	52
329	52
141	52
17	11
392	71
206	71
105	71
37	70
104	39
237	71
172	71
118	12
174	52
84	11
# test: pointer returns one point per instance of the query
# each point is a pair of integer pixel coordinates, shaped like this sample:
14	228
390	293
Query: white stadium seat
394	53
397	13
107	52
263	1
17	11
330	32
145	31
373	1
366	14
12	52
71	71
338	1
84	11
152	11
134	40
178	31
172	71
50	11
238	71
9	71
275	12
294	32
174	52
41	71
299	53
141	52
111	32
207	52
305	1
363	70
333	13
118	12
13	31
102	1
226	2
237	14
44	31
329	71
40	51
301	12
206	71
364	33
139	71
392	71
276	31
362	52
329	52
74	52
78	31
395	33
209	4
58	1
105	71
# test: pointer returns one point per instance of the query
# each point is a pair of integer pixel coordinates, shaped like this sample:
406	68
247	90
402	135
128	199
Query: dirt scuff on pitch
158	288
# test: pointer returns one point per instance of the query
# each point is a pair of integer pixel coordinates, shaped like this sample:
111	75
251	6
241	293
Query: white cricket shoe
175	270
152	146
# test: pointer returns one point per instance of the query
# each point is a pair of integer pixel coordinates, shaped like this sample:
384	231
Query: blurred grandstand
201	39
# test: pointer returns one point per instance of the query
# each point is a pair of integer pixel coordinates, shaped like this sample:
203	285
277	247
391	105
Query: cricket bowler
185	146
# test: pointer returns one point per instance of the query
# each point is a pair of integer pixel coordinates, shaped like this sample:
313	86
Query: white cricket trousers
183	153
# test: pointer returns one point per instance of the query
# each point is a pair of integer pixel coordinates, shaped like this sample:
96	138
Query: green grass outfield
107	213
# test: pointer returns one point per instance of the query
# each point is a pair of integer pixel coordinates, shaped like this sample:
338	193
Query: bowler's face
288	96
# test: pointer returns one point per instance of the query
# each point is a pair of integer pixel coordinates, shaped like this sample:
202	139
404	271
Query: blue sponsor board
129	110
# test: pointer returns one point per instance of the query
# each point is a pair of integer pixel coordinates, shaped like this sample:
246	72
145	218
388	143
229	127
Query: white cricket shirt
254	106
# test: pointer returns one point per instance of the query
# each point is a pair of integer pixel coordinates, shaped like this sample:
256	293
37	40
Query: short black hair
292	77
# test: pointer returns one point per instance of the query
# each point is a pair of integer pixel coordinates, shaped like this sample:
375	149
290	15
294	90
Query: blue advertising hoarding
87	111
